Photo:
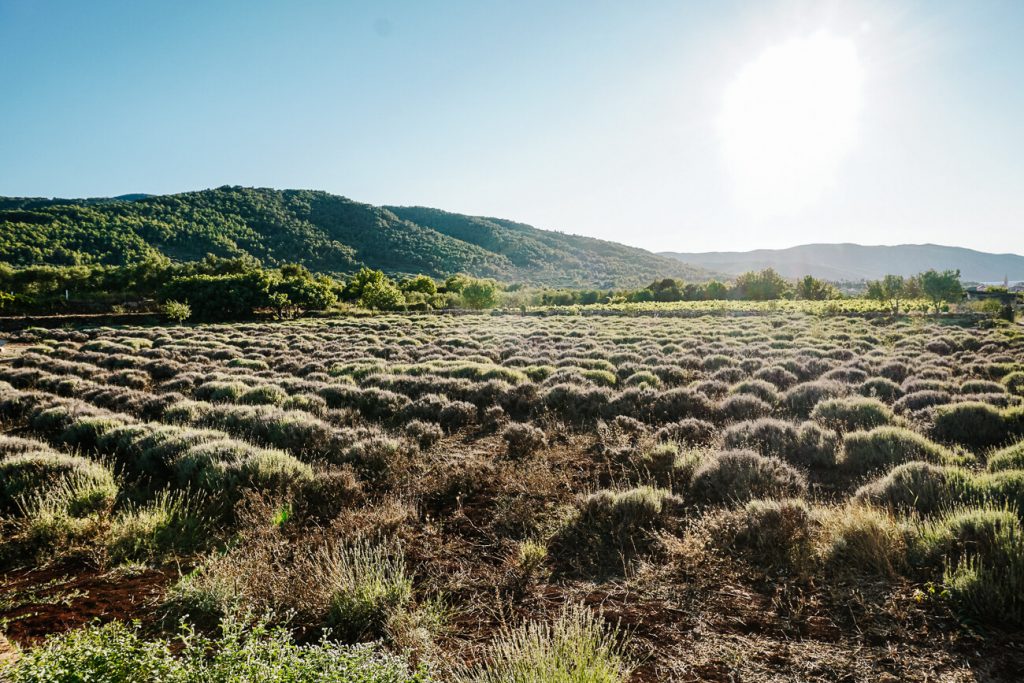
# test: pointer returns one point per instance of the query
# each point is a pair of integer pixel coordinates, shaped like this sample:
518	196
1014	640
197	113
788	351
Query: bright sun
789	119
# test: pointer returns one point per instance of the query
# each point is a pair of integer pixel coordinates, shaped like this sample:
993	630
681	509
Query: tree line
217	288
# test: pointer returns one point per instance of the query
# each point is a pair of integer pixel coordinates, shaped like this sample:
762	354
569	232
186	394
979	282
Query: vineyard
790	495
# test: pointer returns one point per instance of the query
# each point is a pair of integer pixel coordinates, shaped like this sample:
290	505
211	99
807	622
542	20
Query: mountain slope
325	232
857	262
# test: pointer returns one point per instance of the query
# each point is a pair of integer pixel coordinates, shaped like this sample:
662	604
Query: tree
764	285
715	291
941	287
810	288
421	283
480	294
889	290
666	289
366	277
382	295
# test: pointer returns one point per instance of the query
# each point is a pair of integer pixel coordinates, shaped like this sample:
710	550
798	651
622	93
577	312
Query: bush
1014	382
975	425
689	431
739	475
860	538
847	414
774	534
368	583
610	528
1009	458
767	436
456	415
920	486
985	531
762	389
523	440
176	311
744	407
577	647
90	486
921	400
884	447
426	434
801	399
881	388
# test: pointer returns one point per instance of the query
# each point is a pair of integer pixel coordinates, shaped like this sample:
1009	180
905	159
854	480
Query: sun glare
788	120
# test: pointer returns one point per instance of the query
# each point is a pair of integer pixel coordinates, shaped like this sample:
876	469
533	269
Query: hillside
325	232
853	262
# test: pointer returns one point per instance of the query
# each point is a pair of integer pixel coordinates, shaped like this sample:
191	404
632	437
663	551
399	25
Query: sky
673	126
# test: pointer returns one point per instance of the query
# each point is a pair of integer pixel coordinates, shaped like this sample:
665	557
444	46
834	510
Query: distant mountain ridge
854	262
325	232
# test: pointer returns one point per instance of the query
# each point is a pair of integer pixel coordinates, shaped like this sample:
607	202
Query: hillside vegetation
321	231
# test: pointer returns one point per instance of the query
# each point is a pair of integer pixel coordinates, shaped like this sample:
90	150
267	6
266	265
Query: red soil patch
35	603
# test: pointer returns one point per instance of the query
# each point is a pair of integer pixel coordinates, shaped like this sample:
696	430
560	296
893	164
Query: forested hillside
325	232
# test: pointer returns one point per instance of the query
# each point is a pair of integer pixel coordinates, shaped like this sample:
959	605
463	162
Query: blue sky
597	118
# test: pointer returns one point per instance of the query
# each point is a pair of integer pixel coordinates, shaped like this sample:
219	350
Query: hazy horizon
673	127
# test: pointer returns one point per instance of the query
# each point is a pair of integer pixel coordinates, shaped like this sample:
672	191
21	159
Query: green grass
578	647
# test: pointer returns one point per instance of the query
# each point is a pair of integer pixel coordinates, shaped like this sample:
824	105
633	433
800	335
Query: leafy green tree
810	288
715	291
382	295
941	287
666	289
366	277
890	290
222	297
480	294
421	283
764	285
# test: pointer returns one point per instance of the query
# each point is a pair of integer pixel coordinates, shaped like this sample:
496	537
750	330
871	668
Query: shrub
367	584
884	447
740	475
689	431
1009	458
881	388
426	434
767	436
861	538
1014	382
986	531
920	486
744	407
762	389
920	400
33	474
847	414
989	590
815	446
975	425
264	394
782	378
801	399
666	466
610	528
769	533
456	415
523	440
176	311
577	647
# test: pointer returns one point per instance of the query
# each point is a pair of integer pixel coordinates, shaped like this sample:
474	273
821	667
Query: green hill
325	232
